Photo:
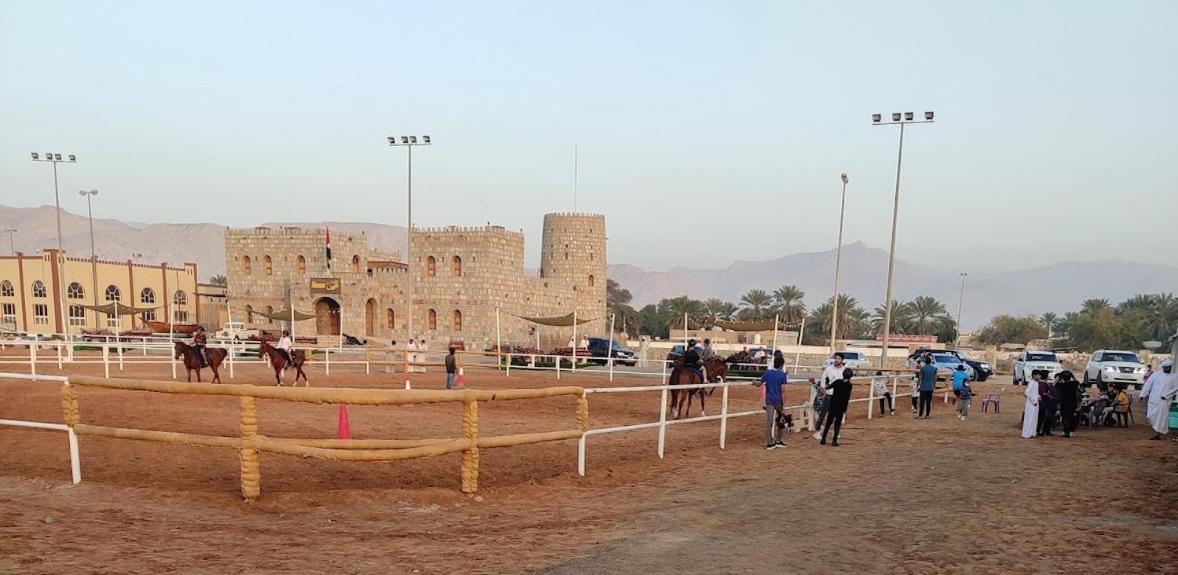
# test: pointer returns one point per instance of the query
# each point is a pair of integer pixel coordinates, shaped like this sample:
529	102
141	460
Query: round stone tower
573	250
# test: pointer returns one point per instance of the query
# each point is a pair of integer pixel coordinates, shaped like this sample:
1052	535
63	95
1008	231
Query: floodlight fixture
36	156
875	118
908	116
895	116
412	139
425	139
928	116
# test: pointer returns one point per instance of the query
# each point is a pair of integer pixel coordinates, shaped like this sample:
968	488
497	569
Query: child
880	386
966	394
820	403
914	391
960	376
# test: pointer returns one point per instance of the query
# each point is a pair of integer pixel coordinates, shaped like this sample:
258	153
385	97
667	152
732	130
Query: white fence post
120	351
581	456
327	362
663	422
610	359
172	354
75	459
106	359
870	398
509	364
557	357
33	358
58	347
231	348
723	416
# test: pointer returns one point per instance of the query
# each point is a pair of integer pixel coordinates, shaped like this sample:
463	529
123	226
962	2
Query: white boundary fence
75	459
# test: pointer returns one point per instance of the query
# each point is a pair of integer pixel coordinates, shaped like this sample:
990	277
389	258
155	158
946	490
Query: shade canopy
562	321
116	308
284	315
754	325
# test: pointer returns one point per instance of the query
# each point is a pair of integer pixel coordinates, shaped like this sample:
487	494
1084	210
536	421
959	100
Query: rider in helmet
285	346
691	359
199	341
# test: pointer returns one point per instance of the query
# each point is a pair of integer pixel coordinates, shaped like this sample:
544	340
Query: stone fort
461	276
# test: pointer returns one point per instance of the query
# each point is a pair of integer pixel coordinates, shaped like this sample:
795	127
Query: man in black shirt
838	406
1067	390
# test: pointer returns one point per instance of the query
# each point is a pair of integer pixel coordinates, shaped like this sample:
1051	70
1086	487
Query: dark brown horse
278	362
715	368
214	356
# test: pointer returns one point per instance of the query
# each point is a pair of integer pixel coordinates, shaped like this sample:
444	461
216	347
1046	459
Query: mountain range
1057	288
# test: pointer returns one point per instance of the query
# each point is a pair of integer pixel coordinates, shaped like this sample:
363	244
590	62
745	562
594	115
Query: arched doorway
326	316
370	317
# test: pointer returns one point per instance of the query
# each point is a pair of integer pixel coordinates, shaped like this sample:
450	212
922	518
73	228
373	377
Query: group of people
413	358
1045	400
200	342
831	397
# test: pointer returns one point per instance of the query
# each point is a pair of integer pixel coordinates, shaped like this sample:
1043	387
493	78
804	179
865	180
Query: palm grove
922	316
1096	325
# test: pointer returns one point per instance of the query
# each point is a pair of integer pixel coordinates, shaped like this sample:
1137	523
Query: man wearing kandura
1160	389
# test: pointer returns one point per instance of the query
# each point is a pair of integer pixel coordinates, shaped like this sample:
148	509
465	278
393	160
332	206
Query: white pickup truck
1029	361
236	331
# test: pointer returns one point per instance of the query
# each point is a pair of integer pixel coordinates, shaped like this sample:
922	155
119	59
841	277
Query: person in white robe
1159	390
421	356
409	349
1031	407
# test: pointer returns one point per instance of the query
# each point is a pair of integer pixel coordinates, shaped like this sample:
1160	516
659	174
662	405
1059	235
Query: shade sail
116	308
754	325
284	315
562	321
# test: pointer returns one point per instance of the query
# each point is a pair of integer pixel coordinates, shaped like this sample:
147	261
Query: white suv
236	331
1029	361
1114	366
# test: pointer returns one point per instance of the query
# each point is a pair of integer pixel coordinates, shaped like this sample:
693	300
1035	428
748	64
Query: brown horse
279	363
214	356
715	368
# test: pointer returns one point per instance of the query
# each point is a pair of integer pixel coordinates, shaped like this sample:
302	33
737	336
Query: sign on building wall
325	286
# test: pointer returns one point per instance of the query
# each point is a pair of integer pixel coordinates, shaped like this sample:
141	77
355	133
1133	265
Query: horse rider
285	347
199	341
706	355
691	360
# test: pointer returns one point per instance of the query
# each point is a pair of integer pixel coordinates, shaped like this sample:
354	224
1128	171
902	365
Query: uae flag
328	249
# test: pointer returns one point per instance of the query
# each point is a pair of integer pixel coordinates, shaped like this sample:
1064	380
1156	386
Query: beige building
34	290
462	276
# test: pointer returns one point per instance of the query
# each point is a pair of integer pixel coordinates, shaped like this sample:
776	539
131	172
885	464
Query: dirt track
900	495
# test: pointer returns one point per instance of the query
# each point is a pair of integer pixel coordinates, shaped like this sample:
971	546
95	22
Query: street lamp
960	304
56	159
89	195
876	120
11	242
409	142
838	260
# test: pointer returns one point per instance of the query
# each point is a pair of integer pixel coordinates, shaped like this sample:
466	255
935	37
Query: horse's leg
701	403
216	374
188	371
299	370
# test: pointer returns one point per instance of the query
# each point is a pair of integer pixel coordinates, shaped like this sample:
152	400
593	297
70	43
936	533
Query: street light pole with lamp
960	305
838	260
11	241
55	159
876	120
409	142
89	195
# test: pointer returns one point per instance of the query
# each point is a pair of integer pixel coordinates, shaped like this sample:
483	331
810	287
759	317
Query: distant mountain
1058	288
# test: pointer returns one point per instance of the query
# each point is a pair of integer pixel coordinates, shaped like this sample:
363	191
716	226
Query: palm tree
1049	320
676	307
755	303
853	320
1157	314
716	309
1094	305
924	310
788	301
901	317
219	280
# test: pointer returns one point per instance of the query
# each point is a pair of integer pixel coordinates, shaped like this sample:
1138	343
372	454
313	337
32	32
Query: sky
706	132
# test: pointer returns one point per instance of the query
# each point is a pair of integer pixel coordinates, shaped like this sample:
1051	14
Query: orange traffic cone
345	429
461	379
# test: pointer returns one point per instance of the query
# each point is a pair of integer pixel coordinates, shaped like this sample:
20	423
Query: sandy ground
900	495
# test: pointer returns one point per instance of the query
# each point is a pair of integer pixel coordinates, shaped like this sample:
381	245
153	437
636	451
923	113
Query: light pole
89	195
960	304
896	120
838	260
409	142
11	242
55	159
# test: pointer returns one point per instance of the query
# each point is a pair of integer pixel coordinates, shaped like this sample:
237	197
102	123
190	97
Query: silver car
1114	366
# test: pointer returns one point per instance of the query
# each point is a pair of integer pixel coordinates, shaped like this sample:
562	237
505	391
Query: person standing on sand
1160	388
928	382
831	374
839	401
451	369
1046	405
421	356
773	379
879	385
1067	389
964	396
914	391
1031	407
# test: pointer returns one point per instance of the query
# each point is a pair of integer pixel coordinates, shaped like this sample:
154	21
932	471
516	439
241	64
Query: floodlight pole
89	195
11	241
883	356
960	305
838	260
60	258
409	142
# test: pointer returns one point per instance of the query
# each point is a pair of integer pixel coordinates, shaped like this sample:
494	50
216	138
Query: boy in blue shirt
963	399
773	379
959	378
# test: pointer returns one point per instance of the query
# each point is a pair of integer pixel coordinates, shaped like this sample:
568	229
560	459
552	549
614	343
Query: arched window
457	320
147	296
75	291
270	314
591	280
390	318
431	266
456	266
302	266
180	298
245	265
268	265
433	319
39	289
356	264
6	289
113	293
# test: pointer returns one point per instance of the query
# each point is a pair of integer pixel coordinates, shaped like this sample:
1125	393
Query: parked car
1029	361
946	363
676	352
982	369
851	359
236	331
603	348
1114	366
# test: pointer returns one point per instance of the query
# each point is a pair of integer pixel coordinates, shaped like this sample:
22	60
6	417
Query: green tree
1010	329
718	309
853	321
787	300
674	309
901	318
1155	314
219	280
754	304
652	321
1050	320
926	311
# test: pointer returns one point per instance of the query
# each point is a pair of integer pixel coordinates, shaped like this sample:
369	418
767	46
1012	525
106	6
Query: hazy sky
708	132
